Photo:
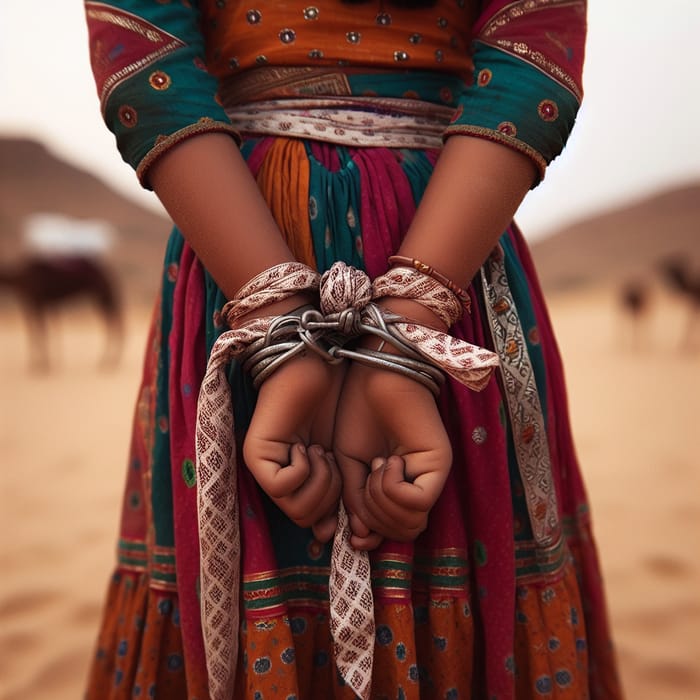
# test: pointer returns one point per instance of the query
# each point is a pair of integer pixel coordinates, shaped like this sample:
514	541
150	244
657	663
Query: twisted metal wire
290	335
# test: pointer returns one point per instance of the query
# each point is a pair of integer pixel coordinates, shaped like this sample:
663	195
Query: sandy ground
63	439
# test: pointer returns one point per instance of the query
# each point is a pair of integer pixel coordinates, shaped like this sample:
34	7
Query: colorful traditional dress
340	110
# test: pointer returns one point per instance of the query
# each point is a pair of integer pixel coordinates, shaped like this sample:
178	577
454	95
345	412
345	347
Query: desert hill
33	180
626	243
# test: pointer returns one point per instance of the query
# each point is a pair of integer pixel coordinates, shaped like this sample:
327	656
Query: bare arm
471	198
206	186
207	189
394	475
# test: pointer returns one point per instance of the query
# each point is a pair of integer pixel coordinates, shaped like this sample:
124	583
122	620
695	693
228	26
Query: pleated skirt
474	609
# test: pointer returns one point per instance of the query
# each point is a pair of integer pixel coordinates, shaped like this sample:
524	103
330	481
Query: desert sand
63	439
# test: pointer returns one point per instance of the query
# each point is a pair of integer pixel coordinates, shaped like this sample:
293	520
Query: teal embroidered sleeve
526	90
154	90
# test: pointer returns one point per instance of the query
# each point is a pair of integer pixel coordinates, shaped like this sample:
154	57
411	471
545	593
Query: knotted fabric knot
344	287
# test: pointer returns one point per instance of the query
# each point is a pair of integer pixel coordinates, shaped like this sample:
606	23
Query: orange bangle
462	296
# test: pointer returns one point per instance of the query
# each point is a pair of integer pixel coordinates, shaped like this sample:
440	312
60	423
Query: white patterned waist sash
347	120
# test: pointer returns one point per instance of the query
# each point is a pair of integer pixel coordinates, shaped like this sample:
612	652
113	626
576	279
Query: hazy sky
638	130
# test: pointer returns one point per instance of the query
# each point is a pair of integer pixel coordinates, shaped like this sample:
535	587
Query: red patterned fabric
549	34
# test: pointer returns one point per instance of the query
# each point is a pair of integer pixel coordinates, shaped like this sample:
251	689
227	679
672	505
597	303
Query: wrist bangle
429	271
419	371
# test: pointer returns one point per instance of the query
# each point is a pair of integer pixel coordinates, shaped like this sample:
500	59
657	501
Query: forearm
471	198
207	189
209	192
473	193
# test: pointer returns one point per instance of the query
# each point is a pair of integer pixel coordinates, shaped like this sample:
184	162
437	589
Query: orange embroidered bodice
376	35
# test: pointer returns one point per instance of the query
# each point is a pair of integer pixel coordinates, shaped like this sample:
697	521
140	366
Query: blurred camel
679	276
43	284
634	298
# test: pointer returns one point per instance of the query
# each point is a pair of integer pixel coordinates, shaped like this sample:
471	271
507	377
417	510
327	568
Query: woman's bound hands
384	429
391	445
287	446
393	452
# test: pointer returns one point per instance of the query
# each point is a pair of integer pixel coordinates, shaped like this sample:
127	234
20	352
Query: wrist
280	308
414	311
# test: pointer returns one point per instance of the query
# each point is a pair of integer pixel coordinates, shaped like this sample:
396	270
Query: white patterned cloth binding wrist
346	309
342	288
217	499
468	364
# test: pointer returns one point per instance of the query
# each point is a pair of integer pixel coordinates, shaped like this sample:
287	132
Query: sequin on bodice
374	35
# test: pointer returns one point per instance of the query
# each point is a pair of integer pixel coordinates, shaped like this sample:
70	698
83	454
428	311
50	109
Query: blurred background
615	232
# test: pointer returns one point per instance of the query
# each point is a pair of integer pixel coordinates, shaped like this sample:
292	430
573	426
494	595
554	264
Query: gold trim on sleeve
165	143
500	137
519	48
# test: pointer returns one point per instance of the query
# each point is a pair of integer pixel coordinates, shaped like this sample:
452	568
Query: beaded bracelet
427	270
